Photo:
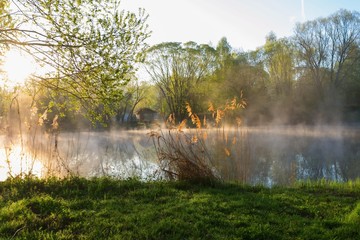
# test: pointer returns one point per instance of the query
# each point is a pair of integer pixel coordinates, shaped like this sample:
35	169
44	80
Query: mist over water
120	154
253	155
283	155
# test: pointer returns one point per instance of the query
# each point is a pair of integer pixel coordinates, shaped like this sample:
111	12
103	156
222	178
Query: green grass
117	209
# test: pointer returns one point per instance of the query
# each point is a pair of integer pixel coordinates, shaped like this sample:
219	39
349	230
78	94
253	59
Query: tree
135	93
178	70
278	60
237	77
327	48
224	51
89	47
244	81
351	89
280	65
5	22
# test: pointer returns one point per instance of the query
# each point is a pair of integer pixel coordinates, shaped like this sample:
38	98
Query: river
254	155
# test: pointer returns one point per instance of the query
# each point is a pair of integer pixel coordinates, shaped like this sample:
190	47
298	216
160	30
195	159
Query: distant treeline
310	77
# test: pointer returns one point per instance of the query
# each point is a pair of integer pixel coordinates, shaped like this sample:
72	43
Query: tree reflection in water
265	155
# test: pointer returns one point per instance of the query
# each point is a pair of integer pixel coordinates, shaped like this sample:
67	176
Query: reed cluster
183	152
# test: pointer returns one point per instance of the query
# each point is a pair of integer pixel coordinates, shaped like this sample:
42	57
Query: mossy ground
129	209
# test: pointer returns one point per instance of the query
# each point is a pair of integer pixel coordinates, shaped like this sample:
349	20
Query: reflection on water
121	154
14	161
284	155
251	155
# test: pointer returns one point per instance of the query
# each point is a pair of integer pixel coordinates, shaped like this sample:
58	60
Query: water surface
265	155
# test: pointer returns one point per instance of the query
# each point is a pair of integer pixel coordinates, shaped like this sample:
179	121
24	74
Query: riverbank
130	209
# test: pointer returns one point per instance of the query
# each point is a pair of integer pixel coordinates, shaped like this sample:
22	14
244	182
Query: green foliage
89	48
5	98
280	64
5	22
354	216
326	49
179	70
224	51
150	97
237	77
111	209
309	77
136	95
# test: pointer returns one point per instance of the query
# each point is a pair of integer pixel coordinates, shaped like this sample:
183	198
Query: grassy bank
113	209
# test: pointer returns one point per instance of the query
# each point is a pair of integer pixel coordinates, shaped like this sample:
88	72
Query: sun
17	67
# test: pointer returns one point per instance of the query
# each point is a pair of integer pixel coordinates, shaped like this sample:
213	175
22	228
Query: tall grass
184	153
28	143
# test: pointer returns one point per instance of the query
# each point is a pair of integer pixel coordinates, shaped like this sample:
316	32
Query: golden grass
183	155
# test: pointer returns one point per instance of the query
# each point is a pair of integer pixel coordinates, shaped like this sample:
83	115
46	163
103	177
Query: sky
245	23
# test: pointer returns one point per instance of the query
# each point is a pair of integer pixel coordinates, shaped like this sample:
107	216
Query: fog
269	154
253	155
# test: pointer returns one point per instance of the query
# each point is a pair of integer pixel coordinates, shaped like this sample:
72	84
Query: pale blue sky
245	23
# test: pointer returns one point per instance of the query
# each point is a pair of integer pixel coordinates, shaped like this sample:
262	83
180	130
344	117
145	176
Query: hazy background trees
92	52
310	77
328	52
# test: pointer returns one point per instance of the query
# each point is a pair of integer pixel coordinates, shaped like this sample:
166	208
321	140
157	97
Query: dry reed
183	153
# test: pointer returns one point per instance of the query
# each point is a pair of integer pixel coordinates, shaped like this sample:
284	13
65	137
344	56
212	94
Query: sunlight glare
19	162
18	67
